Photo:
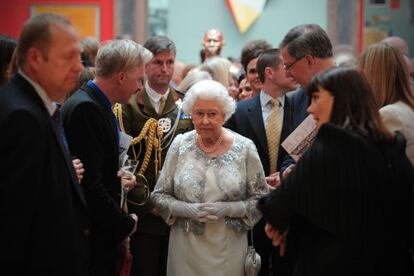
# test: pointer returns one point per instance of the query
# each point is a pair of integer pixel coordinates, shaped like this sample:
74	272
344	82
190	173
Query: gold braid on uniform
154	134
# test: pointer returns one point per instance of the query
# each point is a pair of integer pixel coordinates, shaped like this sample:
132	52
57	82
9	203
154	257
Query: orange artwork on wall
85	18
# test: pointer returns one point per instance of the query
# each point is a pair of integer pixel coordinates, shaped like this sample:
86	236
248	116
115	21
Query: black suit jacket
93	138
350	203
45	221
248	121
300	101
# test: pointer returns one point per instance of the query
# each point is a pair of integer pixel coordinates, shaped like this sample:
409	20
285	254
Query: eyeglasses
289	66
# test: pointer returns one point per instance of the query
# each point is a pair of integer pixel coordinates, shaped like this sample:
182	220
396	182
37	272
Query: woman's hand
218	210
188	210
278	238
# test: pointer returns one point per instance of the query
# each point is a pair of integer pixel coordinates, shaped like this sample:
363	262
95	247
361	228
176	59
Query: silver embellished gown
190	175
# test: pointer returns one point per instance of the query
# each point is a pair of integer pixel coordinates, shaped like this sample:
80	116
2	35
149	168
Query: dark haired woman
7	46
349	200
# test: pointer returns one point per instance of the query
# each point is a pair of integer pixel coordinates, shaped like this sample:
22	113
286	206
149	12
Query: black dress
349	203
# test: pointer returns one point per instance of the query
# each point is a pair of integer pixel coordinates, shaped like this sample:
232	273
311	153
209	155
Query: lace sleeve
255	185
163	194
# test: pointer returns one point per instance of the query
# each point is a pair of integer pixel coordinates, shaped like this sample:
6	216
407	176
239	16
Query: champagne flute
128	171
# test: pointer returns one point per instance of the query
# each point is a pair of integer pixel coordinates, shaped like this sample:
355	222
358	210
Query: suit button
86	232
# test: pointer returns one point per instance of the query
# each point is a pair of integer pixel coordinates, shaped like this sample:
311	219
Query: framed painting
85	18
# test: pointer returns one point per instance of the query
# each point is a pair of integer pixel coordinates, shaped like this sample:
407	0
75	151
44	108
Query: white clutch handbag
252	262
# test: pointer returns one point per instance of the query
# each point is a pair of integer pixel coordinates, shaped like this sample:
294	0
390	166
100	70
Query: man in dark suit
93	136
253	120
45	221
306	51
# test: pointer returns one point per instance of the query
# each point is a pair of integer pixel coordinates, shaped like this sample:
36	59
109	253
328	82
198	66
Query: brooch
165	124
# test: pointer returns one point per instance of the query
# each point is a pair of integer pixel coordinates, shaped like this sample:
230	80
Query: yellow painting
85	18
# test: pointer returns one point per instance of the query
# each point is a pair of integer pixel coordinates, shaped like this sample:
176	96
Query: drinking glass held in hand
128	180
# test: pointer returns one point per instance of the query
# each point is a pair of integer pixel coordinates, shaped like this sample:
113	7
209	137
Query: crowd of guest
213	180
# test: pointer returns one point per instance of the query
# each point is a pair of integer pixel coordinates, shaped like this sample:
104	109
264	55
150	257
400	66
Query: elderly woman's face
208	118
321	106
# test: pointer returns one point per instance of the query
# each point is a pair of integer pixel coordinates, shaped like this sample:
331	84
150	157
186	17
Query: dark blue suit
299	104
93	137
45	219
248	121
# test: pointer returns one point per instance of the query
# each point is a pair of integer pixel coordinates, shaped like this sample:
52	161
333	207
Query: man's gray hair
120	55
307	39
159	44
209	90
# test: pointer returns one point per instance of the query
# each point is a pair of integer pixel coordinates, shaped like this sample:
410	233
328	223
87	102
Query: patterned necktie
57	118
162	105
273	130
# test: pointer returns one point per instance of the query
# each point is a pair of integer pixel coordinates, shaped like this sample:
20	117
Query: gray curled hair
209	90
120	55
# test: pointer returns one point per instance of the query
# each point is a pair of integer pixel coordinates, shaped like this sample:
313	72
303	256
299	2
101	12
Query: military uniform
149	244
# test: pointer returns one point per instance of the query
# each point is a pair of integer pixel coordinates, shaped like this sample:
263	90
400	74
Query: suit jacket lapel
110	120
287	120
31	92
255	119
170	102
74	180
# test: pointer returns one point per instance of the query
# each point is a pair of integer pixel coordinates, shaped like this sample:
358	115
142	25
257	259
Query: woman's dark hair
7	47
354	104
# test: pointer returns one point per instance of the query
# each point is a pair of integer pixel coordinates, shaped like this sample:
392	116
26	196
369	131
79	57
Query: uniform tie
273	130
162	105
57	118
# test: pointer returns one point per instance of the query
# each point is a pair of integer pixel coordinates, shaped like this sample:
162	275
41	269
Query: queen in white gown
208	189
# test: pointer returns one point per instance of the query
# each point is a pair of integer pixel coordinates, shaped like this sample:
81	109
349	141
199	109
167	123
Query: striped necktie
273	130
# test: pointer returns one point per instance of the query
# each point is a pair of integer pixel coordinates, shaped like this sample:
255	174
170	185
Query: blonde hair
218	68
191	79
120	55
386	71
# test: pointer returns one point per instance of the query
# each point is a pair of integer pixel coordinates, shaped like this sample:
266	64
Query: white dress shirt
155	97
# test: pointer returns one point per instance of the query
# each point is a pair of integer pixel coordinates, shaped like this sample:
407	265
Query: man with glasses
306	51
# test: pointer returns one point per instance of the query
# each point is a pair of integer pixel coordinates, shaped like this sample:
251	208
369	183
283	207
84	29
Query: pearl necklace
211	149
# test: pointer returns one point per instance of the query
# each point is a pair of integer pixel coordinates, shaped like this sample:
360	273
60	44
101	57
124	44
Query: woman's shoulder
242	144
330	132
397	108
332	139
184	138
240	139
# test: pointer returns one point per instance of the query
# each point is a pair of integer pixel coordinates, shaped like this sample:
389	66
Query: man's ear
120	77
34	57
310	60
268	71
